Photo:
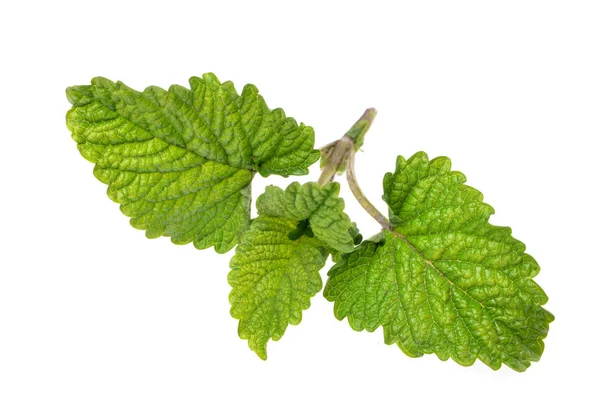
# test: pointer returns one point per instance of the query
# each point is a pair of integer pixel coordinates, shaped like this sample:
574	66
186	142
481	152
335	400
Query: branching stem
335	155
339	156
361	198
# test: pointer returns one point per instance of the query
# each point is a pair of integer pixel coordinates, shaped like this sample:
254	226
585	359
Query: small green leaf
357	238
180	162
273	280
275	270
319	205
445	281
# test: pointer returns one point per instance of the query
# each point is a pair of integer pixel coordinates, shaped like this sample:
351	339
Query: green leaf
180	162
445	281
320	206
273	279
275	270
357	238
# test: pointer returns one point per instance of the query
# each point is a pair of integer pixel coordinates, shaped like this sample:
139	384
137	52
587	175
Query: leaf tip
70	94
78	95
210	79
259	347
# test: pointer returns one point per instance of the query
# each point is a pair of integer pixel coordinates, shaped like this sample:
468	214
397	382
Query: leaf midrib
452	284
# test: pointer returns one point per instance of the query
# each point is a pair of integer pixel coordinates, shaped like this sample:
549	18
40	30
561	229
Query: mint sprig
437	278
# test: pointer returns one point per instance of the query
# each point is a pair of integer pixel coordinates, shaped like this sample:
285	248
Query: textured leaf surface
356	239
180	162
319	205
275	270
445	281
273	279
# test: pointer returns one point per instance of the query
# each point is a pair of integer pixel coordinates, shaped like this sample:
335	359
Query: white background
96	321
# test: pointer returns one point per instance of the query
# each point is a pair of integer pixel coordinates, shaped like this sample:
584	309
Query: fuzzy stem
339	156
336	154
361	198
357	133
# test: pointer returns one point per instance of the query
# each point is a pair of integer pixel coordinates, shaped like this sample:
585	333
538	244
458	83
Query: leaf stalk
335	155
338	157
361	198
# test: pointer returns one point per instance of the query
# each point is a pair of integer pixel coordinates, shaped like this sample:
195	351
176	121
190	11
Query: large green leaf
445	281
180	162
275	270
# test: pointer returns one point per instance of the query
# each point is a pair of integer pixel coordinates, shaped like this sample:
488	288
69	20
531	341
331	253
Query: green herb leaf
275	270
320	206
445	281
273	280
357	238
180	162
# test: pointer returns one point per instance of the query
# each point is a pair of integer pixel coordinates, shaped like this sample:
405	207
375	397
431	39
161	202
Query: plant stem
339	156
357	133
361	198
335	154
